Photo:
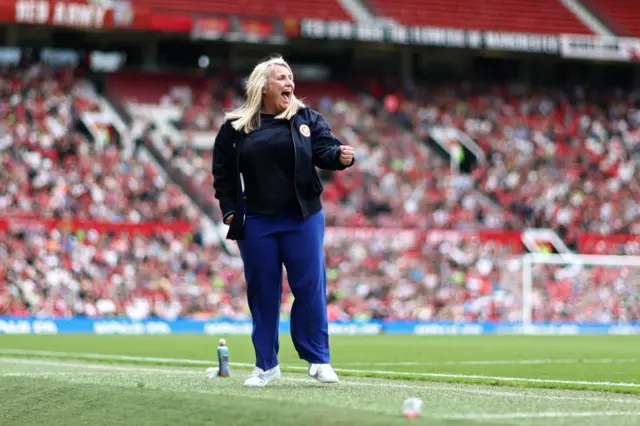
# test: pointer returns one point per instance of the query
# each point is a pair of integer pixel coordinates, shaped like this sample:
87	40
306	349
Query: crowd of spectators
403	276
87	273
554	159
51	167
588	293
396	180
562	159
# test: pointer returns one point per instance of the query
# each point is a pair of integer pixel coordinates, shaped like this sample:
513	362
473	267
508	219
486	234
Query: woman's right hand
228	220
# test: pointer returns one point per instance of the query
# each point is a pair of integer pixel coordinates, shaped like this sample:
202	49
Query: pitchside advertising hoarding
238	29
218	327
97	60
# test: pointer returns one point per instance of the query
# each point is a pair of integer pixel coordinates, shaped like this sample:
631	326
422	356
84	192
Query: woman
265	179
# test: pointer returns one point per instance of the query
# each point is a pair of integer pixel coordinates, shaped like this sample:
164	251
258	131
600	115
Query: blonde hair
247	116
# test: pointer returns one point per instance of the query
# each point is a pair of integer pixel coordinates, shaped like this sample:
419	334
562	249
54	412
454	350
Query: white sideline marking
504	379
345	370
499	362
103	368
39	374
541	415
355	364
114	357
93	366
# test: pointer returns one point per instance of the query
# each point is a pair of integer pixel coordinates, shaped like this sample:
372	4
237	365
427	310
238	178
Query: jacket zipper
239	177
295	169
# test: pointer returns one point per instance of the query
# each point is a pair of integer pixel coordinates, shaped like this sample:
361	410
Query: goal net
591	290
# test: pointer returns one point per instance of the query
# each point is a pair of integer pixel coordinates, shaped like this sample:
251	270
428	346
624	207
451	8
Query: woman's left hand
346	154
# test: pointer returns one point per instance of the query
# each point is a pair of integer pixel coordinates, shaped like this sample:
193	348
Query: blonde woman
265	179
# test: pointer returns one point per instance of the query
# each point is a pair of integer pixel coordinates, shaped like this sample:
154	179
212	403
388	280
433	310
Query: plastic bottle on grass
412	408
223	359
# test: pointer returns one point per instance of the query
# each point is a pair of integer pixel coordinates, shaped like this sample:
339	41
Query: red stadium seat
540	17
625	14
298	9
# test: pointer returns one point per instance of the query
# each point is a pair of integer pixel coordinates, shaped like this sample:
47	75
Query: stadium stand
370	275
93	273
49	169
542	17
382	190
624	14
393	161
592	295
558	159
154	88
395	274
325	9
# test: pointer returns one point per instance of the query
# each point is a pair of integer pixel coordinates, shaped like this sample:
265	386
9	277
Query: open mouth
286	95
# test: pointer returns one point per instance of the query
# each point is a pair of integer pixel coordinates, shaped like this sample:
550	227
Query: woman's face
279	91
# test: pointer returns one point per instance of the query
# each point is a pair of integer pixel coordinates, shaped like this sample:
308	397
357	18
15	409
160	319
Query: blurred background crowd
107	206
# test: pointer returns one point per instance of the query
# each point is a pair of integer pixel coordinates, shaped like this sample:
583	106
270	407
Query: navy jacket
314	146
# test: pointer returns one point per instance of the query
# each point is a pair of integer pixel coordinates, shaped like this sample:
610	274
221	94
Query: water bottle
223	359
412	408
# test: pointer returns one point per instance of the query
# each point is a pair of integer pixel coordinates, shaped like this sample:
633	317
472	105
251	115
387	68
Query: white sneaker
323	373
261	378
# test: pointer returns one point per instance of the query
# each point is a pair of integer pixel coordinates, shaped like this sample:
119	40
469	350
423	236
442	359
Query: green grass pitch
463	380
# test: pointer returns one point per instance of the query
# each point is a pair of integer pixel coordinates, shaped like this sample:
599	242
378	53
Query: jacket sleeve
325	145
224	170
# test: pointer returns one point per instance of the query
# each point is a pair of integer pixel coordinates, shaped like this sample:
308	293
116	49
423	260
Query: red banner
235	28
78	14
210	28
126	15
291	27
256	29
171	23
17	224
410	237
400	237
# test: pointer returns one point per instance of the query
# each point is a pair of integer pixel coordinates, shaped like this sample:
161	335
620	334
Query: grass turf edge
372	374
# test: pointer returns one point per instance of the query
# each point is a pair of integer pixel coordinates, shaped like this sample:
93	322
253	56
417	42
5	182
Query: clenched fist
346	154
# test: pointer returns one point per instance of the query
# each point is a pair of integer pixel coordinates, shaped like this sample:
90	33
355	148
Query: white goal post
573	264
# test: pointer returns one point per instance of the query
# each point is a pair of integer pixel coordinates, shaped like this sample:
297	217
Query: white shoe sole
335	379
330	380
262	383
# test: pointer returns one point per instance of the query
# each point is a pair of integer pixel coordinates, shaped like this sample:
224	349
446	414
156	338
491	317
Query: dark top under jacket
267	166
313	145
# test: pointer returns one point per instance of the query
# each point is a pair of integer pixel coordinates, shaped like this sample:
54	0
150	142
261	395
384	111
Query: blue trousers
269	243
